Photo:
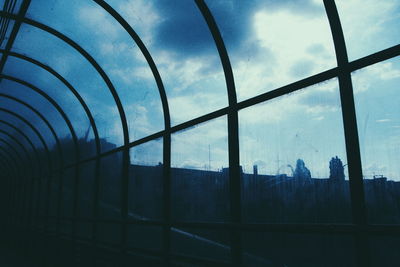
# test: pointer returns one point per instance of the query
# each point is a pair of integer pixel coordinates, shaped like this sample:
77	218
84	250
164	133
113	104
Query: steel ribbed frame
342	72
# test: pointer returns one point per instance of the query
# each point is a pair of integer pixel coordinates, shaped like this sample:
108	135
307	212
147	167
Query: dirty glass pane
273	43
112	47
292	152
146	181
62	58
378	120
369	25
199	174
183	49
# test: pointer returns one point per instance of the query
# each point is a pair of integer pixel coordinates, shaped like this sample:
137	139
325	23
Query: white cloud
98	19
383	120
368	24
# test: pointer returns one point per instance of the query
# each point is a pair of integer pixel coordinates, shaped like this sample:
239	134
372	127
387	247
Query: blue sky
270	43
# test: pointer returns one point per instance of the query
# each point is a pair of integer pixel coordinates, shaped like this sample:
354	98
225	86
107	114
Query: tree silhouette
301	171
336	169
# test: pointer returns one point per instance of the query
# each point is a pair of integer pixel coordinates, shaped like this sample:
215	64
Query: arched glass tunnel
199	133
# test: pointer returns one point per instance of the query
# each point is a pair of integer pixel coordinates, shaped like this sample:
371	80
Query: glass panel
180	42
199	174
62	58
6	31
370	29
384	250
280	249
115	51
200	243
110	186
293	157
273	43
146	181
378	119
86	189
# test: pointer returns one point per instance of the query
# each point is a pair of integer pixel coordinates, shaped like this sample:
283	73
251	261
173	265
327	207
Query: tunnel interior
199	133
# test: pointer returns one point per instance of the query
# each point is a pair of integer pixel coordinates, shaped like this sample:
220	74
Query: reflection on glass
199	173
146	181
370	29
273	43
293	158
303	250
200	243
378	120
110	186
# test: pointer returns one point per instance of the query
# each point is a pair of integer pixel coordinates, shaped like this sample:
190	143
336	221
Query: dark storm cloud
184	31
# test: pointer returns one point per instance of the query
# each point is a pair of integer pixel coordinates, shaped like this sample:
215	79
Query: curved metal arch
88	57
28	155
33	129
22	201
357	194
69	86
10	163
167	126
59	148
54	103
2	140
37	158
128	28
233	130
25	137
18	174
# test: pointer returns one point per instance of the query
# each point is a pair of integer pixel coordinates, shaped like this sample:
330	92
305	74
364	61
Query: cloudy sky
270	43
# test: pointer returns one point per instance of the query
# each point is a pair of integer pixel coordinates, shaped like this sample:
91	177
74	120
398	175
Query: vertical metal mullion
351	134
124	203
59	208
233	135
95	208
167	195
